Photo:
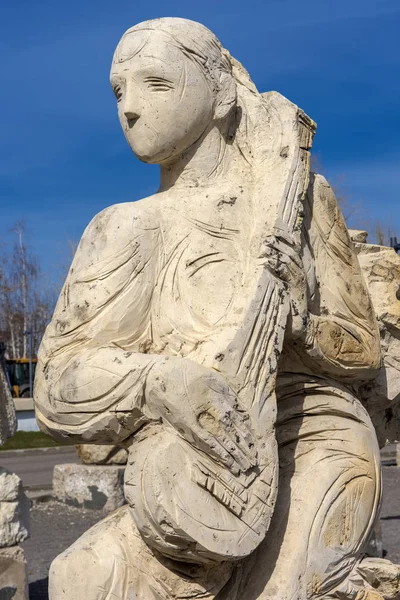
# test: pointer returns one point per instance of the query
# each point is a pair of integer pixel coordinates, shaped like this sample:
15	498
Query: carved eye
118	93
157	84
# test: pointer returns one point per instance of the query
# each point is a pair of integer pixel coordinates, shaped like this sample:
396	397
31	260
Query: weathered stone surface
220	330
90	486
13	577
14	510
100	454
8	420
358	235
381	269
382	576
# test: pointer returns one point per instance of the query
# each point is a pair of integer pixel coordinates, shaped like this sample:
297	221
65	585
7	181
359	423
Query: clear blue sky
64	157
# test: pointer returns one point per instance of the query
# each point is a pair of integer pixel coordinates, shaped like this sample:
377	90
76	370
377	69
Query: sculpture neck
201	164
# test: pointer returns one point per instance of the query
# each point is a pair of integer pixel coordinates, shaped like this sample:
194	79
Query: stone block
14	510
101	454
13	578
90	486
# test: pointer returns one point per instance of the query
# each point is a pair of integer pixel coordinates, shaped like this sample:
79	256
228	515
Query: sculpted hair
200	45
193	39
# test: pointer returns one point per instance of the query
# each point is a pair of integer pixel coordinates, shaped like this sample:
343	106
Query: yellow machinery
18	376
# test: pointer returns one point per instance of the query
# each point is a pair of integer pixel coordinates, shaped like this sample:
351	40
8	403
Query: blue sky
64	157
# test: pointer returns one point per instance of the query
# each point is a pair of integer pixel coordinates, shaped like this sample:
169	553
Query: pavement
35	466
54	527
390	513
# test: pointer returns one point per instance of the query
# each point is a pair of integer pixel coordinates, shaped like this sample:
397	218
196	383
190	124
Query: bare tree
21	268
7	313
25	303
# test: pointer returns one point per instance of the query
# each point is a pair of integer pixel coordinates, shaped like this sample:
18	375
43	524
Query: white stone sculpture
14	510
14	507
218	329
381	268
8	419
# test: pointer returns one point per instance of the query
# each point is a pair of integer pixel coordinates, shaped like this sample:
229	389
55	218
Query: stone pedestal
90	486
13	579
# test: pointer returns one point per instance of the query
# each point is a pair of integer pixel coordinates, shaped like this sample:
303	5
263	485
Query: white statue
217	330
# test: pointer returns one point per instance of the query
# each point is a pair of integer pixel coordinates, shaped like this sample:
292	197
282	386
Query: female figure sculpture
206	326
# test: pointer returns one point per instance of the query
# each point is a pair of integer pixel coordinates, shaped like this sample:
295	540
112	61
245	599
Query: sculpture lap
329	492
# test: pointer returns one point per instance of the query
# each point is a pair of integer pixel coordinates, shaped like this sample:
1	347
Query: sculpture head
173	82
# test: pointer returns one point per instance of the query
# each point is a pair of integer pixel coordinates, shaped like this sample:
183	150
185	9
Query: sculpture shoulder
325	222
112	260
324	205
116	222
115	229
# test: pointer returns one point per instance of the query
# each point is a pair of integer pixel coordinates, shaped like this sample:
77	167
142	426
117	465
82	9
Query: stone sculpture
14	508
219	330
381	268
8	419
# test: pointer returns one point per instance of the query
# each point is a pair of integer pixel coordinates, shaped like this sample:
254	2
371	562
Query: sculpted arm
343	335
88	386
91	387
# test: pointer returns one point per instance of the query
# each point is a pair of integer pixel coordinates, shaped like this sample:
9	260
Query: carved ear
226	98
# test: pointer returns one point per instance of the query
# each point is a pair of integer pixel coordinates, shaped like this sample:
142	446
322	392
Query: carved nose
132	103
131	116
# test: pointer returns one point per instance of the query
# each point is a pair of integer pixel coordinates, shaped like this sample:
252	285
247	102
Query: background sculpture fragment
8	420
381	269
207	326
14	508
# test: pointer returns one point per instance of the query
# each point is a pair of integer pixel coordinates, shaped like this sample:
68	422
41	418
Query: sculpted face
164	101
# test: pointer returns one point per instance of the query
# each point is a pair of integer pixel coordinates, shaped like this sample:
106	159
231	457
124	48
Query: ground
56	526
390	513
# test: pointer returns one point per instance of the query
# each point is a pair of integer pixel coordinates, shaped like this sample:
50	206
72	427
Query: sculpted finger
222	429
237	425
241	458
216	442
244	442
217	450
202	439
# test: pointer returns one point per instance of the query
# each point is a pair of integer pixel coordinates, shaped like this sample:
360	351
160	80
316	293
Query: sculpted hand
198	403
286	262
